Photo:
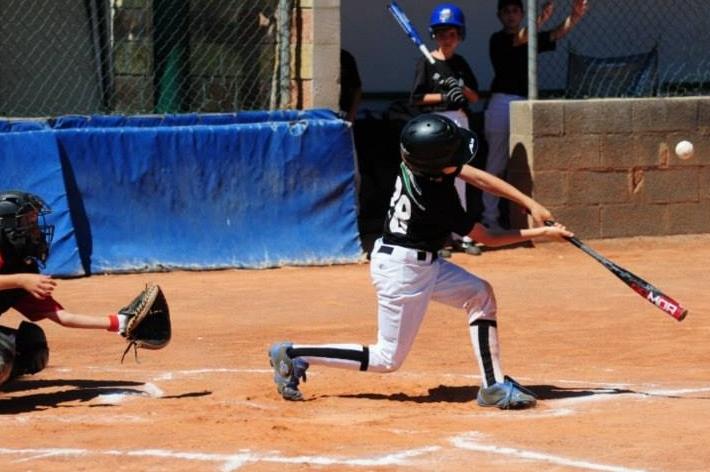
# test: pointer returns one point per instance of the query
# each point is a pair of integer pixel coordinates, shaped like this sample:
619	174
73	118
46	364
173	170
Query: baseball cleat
505	395
287	371
471	249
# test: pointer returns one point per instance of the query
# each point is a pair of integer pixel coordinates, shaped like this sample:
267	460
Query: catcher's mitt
148	321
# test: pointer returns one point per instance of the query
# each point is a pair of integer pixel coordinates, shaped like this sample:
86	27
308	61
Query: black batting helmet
23	230
431	142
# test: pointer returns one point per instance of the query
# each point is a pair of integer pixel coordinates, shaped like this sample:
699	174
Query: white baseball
684	150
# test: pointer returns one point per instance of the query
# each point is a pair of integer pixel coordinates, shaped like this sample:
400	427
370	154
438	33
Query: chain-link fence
143	56
629	48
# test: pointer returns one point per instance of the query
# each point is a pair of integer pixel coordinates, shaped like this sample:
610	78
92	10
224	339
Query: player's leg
404	285
457	287
7	352
24	350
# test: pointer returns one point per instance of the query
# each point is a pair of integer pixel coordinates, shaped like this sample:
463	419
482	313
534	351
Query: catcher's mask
431	142
23	230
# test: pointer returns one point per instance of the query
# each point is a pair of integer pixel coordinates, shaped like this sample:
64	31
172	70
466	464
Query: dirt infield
623	387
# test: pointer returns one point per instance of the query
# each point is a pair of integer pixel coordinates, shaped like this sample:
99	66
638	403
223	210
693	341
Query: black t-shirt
424	212
424	80
510	63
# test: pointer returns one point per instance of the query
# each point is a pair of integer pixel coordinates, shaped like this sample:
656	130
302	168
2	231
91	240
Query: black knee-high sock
348	356
484	337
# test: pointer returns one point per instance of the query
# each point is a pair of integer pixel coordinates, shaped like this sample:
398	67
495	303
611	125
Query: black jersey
424	80
424	212
510	62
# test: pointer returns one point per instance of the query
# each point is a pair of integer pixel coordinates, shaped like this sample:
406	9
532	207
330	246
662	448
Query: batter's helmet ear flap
430	142
447	14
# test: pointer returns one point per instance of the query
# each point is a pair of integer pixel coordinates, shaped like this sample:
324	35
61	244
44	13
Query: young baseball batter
448	86
25	239
407	273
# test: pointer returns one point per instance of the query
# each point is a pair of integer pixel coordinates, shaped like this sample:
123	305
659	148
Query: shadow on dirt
82	391
464	394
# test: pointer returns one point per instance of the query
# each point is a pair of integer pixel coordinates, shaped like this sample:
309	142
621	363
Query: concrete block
704	115
618	221
547	117
600	116
704	183
585	221
303	25
566	152
590	187
618	151
652	150
326	27
669	114
521	118
551	188
671	185
689	218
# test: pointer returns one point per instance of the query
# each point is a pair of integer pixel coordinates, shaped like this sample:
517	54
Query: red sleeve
35	309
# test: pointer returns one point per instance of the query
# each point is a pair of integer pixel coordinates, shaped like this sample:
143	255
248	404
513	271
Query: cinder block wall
607	167
315	54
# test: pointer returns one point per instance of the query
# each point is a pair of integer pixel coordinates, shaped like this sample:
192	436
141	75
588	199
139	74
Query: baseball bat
411	31
636	283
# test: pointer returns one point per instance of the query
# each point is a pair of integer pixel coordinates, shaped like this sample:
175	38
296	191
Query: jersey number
401	209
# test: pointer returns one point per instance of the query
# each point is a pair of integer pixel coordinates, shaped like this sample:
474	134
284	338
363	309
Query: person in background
509	56
350	86
447	87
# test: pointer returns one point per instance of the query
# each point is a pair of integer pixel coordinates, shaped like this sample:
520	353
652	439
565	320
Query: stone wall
316	54
607	167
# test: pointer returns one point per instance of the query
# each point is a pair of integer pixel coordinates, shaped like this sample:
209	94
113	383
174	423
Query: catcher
25	240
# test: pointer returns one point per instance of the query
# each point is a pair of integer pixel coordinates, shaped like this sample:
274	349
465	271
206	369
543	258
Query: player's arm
38	285
75	320
513	236
492	184
579	8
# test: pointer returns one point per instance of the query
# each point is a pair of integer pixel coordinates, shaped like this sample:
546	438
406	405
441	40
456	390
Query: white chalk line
229	462
232	462
470	442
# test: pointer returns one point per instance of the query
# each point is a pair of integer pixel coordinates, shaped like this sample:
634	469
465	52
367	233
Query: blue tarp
254	189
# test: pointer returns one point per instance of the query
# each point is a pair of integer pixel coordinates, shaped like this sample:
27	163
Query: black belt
421	255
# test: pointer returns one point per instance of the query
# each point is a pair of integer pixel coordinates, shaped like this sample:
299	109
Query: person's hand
454	98
38	285
579	8
557	231
546	12
539	213
448	83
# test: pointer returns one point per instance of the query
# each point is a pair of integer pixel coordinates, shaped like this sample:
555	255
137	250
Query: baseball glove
148	321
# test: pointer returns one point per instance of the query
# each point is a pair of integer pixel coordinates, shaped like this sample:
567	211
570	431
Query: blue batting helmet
447	14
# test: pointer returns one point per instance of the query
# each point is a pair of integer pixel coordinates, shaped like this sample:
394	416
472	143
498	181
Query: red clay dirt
622	386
